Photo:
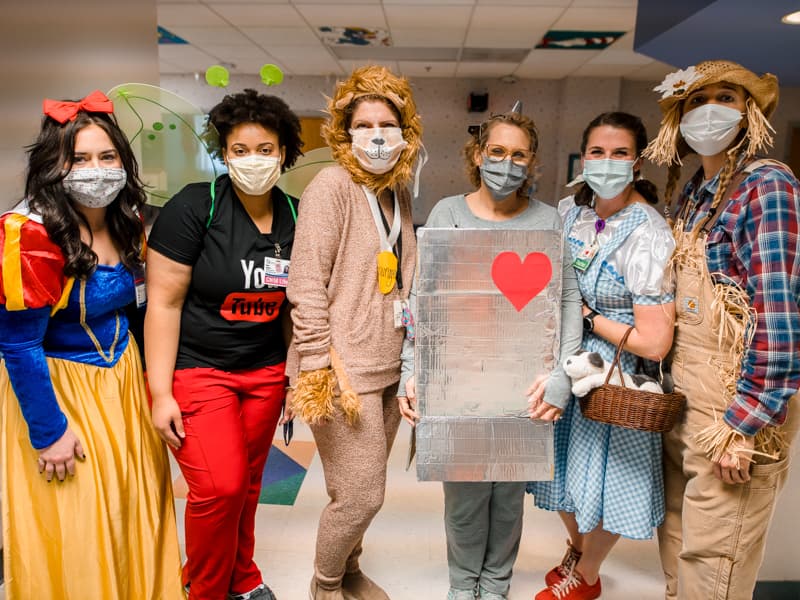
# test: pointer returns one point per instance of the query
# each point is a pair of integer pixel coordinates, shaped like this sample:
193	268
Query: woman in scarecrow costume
353	263
737	272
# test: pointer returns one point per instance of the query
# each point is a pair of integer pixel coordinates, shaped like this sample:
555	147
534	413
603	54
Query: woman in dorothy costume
608	480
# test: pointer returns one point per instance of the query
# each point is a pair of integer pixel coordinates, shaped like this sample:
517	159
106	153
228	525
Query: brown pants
713	537
354	463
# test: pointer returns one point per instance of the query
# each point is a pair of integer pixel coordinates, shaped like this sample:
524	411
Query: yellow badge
387	271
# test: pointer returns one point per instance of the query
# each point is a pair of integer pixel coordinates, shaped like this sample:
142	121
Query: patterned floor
283	475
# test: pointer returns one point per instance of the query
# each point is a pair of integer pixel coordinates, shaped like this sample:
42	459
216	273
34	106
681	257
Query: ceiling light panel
494	55
512	27
603	4
591	19
553	63
427	38
392	53
352	15
288	36
500	3
330	2
211	35
590	69
427	69
478	69
187	15
451	17
254	15
429	2
611	56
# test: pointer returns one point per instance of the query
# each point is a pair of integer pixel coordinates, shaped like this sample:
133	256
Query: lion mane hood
367	81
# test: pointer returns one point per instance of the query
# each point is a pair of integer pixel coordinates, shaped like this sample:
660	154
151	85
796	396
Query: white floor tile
404	548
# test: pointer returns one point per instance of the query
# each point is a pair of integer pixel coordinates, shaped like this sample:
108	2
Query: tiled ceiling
429	38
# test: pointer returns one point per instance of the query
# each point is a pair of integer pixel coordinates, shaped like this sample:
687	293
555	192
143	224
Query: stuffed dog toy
588	370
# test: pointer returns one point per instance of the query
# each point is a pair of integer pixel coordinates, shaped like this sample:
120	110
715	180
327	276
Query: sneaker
456	594
572	587
487	595
262	592
568	563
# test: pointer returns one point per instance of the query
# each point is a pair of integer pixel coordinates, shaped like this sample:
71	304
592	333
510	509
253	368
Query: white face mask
607	177
378	149
94	187
710	129
254	174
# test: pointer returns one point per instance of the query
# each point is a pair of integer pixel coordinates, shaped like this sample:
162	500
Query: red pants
229	420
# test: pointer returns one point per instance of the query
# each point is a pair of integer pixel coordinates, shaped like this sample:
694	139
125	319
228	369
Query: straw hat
677	86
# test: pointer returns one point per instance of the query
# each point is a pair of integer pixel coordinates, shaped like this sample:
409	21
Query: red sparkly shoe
556	574
572	587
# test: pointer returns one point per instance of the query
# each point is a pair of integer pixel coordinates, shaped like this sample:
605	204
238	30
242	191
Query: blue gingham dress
602	472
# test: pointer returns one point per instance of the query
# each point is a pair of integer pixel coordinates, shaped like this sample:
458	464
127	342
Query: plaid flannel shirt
755	244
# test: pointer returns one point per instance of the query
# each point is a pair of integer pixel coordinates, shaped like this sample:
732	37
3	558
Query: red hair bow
67	111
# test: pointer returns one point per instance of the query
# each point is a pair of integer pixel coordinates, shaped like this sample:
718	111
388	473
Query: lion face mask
377	149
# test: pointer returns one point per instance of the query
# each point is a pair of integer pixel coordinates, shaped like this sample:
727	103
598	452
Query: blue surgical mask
502	178
607	177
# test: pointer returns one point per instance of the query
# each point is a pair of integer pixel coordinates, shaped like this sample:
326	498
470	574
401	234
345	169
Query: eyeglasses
497	153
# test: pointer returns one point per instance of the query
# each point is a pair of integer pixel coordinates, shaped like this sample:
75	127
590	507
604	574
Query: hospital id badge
404	318
276	272
585	257
387	271
139	287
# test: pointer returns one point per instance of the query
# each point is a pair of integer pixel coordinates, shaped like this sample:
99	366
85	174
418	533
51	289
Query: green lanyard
213	206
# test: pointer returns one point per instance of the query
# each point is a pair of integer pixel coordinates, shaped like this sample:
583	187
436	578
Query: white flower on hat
678	82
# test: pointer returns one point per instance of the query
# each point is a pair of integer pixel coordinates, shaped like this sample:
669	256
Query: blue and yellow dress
69	361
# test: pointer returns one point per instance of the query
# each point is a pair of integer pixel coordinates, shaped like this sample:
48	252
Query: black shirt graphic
231	315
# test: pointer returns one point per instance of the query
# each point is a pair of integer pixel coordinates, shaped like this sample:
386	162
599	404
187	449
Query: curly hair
50	158
633	125
478	142
249	106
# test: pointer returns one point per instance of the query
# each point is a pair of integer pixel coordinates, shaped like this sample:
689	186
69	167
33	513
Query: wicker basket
630	408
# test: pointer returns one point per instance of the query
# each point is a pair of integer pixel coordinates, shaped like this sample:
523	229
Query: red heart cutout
521	281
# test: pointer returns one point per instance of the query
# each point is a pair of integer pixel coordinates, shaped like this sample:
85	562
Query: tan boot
357	586
316	592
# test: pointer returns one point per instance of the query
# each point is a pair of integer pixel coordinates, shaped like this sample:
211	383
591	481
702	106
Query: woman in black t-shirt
214	336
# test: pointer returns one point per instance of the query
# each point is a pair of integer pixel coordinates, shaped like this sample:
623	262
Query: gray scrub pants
483	522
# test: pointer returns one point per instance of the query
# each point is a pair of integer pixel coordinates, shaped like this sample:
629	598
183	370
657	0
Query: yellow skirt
109	532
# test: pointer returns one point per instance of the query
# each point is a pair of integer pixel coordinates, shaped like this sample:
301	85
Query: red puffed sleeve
32	268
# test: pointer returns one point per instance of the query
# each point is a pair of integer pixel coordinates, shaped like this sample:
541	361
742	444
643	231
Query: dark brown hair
50	158
251	107
633	125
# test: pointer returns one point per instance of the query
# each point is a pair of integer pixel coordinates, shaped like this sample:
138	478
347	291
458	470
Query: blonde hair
476	143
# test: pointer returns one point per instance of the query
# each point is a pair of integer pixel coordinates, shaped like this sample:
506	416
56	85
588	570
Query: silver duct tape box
484	449
488	321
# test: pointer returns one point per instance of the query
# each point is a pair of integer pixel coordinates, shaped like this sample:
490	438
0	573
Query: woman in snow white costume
87	507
